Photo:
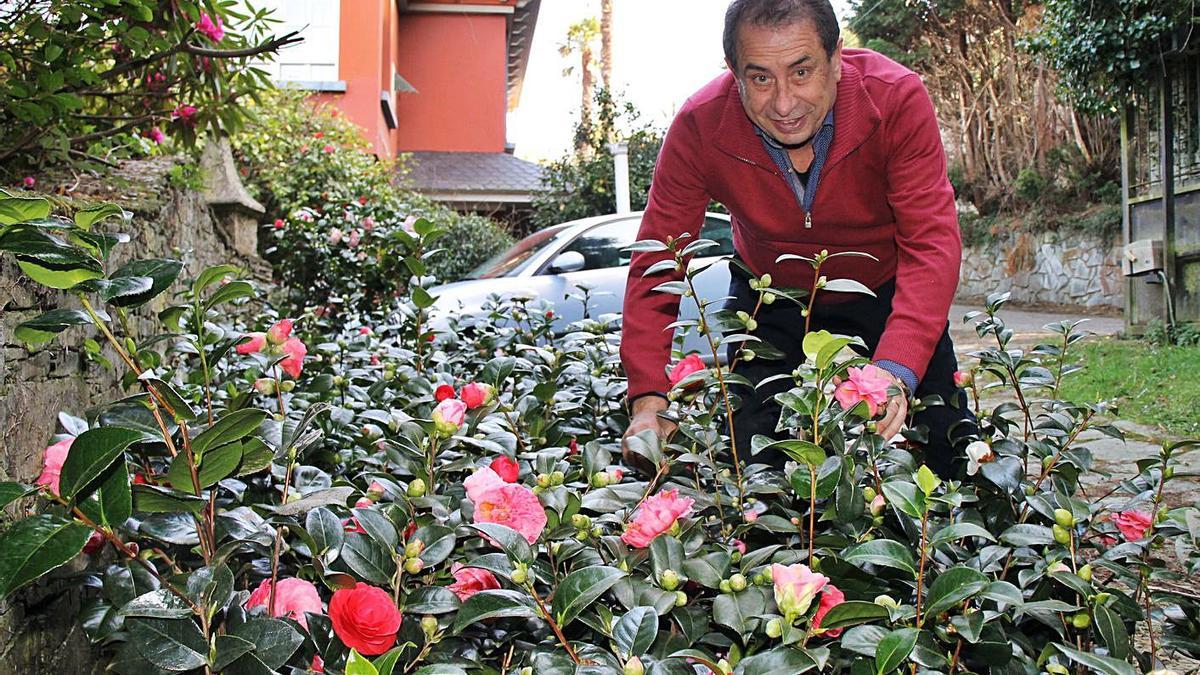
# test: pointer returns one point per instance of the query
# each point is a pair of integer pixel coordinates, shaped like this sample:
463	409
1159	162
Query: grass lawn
1156	386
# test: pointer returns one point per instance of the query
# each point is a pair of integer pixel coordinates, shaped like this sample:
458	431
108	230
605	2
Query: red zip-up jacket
883	190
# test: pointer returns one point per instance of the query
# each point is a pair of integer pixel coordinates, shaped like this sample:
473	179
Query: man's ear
836	61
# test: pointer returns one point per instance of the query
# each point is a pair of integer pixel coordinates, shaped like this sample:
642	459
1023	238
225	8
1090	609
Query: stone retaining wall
38	630
1046	268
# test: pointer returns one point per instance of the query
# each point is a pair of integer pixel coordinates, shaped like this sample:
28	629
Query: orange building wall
457	63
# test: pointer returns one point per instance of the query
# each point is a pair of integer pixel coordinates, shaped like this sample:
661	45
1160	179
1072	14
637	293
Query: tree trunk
606	65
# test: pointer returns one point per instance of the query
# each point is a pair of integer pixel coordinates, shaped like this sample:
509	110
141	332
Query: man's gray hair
772	13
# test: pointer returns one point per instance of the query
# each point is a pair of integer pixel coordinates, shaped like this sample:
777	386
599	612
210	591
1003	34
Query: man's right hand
644	416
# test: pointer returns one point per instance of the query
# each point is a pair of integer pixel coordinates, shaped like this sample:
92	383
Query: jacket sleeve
928	245
676	204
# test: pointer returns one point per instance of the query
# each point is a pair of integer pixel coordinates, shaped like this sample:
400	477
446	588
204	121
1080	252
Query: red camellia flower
687	366
254	345
318	664
294	362
656	515
470	580
507	468
1133	524
573	447
476	395
52	463
444	392
830	598
293	597
365	618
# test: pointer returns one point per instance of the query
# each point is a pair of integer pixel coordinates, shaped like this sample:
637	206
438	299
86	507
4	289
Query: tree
581	36
74	75
606	14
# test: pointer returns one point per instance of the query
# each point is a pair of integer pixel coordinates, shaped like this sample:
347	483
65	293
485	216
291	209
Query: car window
510	261
601	246
718	230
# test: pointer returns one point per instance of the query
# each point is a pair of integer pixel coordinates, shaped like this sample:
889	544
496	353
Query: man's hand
644	416
895	411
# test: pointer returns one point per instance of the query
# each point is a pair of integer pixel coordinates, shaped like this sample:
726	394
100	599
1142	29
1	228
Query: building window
313	62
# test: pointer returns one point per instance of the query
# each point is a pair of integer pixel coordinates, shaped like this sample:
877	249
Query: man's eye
760	79
801	72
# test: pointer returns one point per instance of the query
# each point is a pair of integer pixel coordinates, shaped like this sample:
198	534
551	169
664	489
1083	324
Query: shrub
336	236
418	499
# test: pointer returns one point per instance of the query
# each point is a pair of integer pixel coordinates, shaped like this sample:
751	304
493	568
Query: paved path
1026	325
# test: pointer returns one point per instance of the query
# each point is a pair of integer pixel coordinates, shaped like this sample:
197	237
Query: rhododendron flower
978	454
506	468
155	135
689	365
293	363
655	516
213	30
254	345
293	597
476	395
280	332
29	181
470	580
448	416
869	383
1133	524
184	113
443	392
795	587
830	598
52	463
480	482
365	618
514	506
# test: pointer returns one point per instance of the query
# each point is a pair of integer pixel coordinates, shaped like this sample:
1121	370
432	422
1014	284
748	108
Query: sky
663	51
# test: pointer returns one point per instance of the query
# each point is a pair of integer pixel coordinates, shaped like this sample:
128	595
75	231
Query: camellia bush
373	495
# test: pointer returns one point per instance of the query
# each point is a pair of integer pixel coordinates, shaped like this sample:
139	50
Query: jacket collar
856	118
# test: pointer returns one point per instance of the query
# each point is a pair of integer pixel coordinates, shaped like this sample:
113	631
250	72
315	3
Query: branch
96	135
269	46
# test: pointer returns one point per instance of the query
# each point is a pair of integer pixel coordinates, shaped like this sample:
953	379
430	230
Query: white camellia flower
978	453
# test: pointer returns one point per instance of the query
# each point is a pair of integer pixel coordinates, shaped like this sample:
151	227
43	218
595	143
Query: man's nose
784	101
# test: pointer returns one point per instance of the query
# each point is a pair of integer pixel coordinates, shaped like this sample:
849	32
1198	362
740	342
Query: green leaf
421	298
160	270
1027	535
325	529
736	610
156	499
47	259
234	290
847	286
160	604
581	588
804	452
215	466
1106	665
33	546
357	664
114	496
230	649
43	328
1112	630
512	542
274	640
885	552
85	218
11	492
927	481
92	452
170	644
19	209
231	427
368	558
387	663
439	543
828	477
431	600
852	613
60	278
952	587
814	342
894	648
959	531
780	660
212	275
182	410
493	604
905	497
636	631
122	287
666	553
211	587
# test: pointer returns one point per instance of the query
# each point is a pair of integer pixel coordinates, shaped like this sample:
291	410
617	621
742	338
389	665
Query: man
810	147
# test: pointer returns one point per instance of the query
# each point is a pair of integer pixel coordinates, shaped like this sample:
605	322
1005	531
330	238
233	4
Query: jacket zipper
807	212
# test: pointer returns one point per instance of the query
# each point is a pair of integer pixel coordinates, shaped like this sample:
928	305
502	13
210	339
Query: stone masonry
1045	269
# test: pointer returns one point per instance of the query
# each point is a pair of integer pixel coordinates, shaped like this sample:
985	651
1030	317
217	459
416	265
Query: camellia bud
521	574
886	601
580	521
634	667
287	385
543	480
1102	598
414	565
738	582
774	628
1081	620
768	298
681	598
767	575
557	477
1061	534
414	548
724	586
877	505
429	625
264	386
597	531
1085	573
600	479
669	580
1064	518
1057	669
416	488
868	493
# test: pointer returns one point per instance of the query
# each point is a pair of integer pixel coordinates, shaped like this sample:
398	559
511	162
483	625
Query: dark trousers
780	324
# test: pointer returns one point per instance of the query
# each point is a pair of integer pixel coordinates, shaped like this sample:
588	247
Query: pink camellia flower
506	468
29	181
376	489
318	664
963	378
448	416
795	587
353	239
363	330
480	482
255	344
1133	524
830	598
750	515
335	236
351	524
363	502
689	365
443	392
470	580
280	332
279	223
293	597
514	506
362	199
52	463
869	383
328	147
368	223
184	113
655	516
476	395
409	225
740	546
877	505
213	30
294	362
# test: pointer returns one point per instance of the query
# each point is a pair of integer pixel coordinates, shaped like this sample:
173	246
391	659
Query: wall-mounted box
1142	257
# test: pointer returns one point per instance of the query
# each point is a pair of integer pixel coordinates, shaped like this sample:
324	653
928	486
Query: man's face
787	83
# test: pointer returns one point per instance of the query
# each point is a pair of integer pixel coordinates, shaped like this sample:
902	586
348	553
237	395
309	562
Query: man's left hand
895	411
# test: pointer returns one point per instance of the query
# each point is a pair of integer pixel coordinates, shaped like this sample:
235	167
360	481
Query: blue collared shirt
805	193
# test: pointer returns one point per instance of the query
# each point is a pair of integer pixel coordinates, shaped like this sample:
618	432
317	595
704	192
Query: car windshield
511	261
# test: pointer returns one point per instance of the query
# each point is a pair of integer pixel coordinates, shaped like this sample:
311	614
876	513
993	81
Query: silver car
555	263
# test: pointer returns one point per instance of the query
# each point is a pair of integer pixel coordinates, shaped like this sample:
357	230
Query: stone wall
1046	268
38	630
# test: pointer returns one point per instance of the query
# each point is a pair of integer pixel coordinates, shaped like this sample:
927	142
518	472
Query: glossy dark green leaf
1105	665
274	640
512	542
215	466
1027	535
581	588
378	526
234	290
666	553
10	492
125	286
959	531
171	644
229	649
212	275
1112	630
636	631
157	499
852	613
439	543
431	600
211	587
114	496
421	297
160	604
92	452
43	328
229	428
47	259
494	604
951	587
894	648
885	552
368	558
162	272
181	409
905	496
325	497
33	546
325	529
776	661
